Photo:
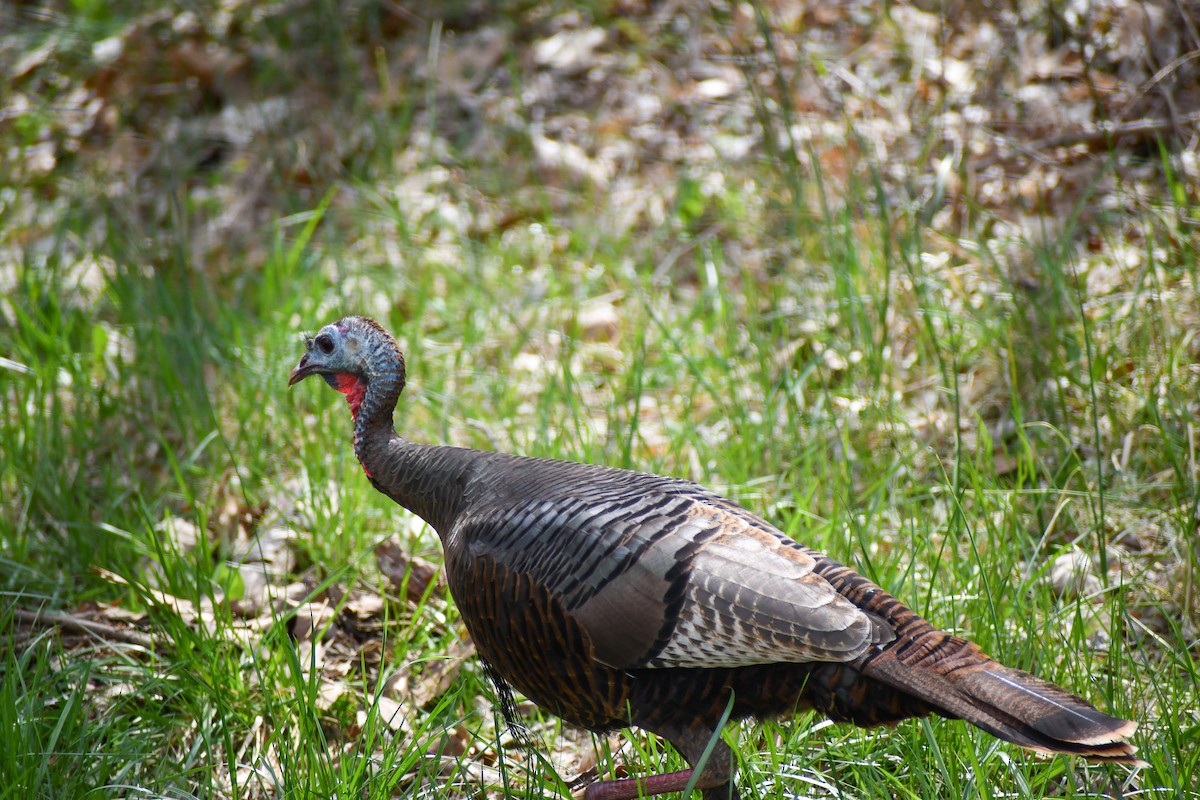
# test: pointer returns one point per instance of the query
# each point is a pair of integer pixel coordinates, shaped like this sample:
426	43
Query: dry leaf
569	51
599	321
312	618
406	573
439	674
1071	576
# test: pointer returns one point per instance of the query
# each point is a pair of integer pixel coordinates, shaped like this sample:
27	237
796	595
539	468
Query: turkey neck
378	391
424	479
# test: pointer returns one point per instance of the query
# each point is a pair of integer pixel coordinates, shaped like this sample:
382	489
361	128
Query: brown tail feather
1007	703
956	679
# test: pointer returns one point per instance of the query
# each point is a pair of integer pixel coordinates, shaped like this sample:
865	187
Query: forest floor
917	282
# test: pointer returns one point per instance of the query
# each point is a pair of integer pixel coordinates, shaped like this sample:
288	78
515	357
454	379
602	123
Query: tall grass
947	419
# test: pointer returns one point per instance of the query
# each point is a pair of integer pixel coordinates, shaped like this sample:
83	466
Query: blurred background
917	281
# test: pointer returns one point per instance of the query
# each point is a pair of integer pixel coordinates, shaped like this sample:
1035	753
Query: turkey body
615	598
575	585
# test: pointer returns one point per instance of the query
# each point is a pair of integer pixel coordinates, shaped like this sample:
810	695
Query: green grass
946	410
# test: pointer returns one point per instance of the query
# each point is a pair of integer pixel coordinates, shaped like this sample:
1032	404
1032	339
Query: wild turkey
615	598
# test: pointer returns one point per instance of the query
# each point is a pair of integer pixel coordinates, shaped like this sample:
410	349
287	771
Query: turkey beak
302	371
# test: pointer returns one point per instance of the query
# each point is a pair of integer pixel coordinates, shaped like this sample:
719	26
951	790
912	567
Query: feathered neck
426	480
373	395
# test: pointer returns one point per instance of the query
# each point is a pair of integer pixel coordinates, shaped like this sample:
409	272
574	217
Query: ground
918	283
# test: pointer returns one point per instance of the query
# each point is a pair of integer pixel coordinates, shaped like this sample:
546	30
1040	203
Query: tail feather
954	678
1049	709
1010	704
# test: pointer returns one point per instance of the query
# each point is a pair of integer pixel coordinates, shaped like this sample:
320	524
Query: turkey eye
325	343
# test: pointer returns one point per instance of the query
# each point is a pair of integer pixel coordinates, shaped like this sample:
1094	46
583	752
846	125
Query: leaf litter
1007	115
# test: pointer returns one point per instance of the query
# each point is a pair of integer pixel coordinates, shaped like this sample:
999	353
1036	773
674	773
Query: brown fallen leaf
364	605
407	573
439	674
189	612
313	618
394	713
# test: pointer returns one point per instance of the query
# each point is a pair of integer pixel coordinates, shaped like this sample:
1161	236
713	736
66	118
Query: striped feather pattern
617	598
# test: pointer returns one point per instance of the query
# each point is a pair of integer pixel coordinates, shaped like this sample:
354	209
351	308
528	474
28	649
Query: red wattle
355	388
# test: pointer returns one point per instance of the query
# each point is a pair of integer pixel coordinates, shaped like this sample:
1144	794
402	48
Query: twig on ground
70	622
1104	133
